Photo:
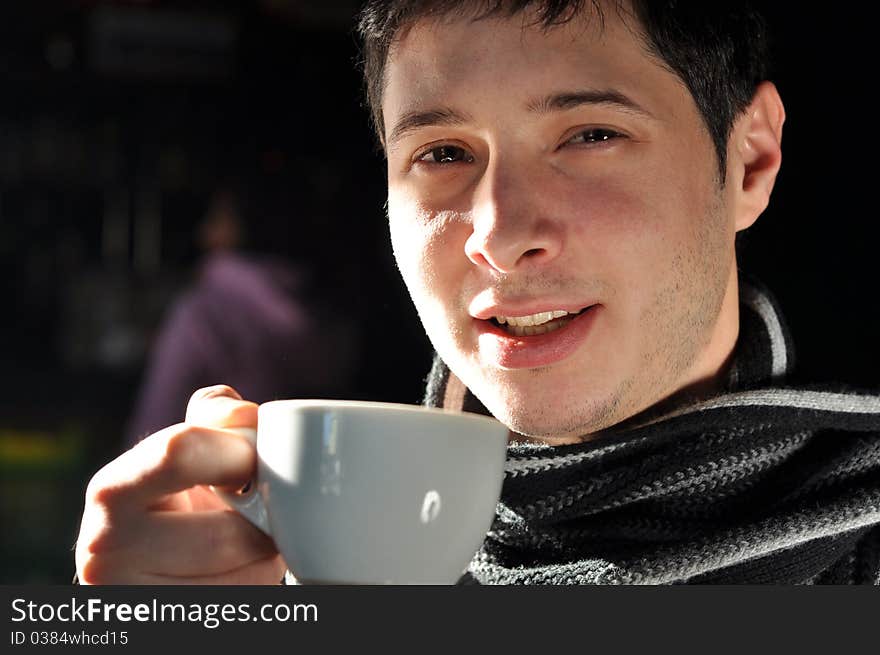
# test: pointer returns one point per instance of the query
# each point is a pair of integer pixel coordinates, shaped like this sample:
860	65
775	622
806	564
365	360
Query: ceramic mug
373	493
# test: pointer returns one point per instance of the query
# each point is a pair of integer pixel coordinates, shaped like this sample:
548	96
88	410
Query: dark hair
717	47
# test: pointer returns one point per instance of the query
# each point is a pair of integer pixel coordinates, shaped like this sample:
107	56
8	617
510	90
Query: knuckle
106	496
184	447
103	489
94	487
92	549
95	570
94	543
97	529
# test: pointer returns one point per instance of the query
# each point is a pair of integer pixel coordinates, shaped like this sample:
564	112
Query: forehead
446	60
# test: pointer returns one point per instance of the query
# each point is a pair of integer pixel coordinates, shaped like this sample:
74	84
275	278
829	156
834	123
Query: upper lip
485	311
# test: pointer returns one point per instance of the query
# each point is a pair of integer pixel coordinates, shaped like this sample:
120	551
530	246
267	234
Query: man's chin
552	405
555	425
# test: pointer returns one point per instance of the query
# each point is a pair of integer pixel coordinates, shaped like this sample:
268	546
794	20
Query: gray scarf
762	484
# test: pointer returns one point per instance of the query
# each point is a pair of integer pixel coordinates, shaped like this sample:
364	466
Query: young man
565	184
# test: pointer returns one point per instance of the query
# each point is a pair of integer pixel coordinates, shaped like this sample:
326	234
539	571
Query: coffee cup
373	493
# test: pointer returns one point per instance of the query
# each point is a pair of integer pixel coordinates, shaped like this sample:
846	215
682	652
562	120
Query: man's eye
594	135
445	155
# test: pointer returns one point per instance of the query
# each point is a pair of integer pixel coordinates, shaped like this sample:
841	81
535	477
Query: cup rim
369	405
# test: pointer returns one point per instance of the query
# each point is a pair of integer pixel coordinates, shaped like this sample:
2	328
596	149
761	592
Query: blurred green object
32	451
42	479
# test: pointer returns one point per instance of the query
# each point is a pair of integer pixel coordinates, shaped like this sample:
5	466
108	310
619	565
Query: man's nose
513	224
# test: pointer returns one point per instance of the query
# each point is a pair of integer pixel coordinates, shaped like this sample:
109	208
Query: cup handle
247	502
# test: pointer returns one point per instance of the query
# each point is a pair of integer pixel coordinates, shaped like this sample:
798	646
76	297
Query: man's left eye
594	135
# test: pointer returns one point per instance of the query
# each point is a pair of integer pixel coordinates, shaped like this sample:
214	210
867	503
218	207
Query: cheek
617	229
637	214
637	234
425	246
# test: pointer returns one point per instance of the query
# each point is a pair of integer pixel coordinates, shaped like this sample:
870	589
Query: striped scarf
762	484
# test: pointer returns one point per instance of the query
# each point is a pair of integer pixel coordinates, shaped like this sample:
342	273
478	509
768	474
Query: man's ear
755	153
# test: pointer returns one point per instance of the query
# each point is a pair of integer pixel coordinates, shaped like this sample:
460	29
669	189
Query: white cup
373	493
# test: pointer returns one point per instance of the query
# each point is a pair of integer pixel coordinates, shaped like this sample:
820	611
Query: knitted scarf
762	484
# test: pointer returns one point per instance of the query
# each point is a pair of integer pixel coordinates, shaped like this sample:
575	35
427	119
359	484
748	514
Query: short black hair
718	48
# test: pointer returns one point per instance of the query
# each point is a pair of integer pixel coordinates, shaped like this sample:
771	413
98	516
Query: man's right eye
445	155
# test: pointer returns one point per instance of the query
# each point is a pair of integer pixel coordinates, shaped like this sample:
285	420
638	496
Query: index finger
174	459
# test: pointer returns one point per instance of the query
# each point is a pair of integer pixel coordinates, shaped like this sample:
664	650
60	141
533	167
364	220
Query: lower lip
510	352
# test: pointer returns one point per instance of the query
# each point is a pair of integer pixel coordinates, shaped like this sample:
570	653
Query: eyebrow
561	101
414	120
565	100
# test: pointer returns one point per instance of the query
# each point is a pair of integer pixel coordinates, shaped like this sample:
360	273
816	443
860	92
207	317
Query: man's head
556	156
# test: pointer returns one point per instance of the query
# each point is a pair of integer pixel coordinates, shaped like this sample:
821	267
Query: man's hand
149	517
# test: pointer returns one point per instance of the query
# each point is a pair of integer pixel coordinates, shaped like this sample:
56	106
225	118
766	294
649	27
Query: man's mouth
534	324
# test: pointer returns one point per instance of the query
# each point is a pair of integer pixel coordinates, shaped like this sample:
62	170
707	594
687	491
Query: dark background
118	119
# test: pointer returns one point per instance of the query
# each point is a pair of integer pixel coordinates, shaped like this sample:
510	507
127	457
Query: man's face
536	171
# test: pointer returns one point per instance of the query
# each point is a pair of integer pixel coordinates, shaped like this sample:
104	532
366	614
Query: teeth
529	330
531	319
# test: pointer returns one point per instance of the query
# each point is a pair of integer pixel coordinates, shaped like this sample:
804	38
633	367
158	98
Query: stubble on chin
559	420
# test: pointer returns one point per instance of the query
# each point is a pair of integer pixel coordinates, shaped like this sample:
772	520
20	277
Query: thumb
220	406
